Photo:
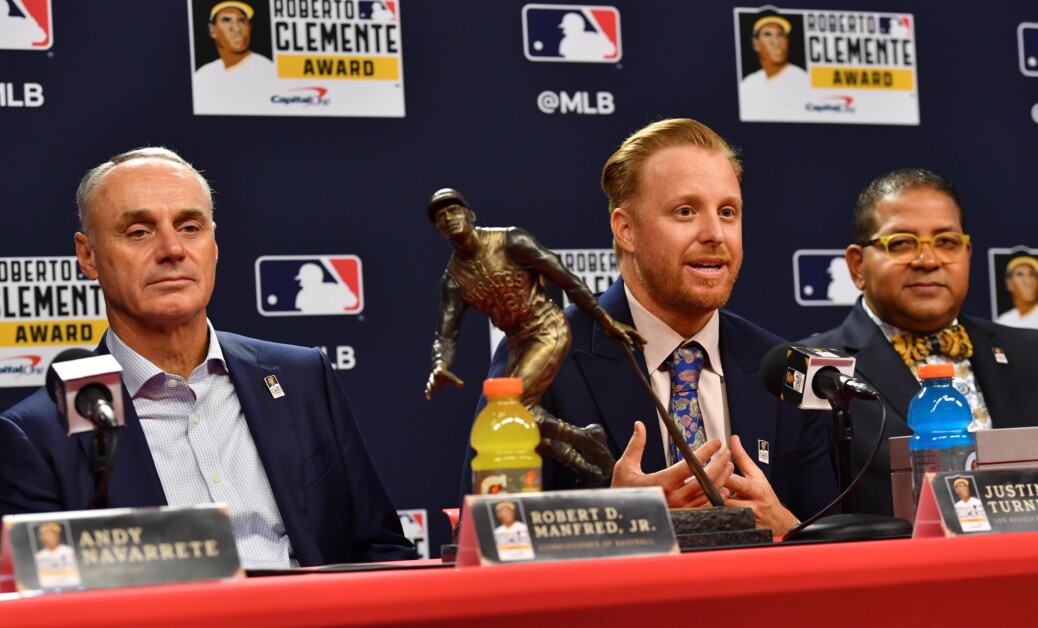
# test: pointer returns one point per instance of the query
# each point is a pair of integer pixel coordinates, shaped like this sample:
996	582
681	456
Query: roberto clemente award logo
270	57
807	65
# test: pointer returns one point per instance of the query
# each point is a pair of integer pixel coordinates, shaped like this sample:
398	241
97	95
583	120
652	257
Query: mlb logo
1027	36
571	33
384	11
290	285
414	523
821	277
896	26
26	25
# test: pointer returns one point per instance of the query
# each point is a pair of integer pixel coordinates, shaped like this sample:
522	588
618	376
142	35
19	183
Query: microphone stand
854	525
841	437
103	443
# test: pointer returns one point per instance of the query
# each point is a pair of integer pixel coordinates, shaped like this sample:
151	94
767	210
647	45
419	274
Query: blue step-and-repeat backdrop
324	144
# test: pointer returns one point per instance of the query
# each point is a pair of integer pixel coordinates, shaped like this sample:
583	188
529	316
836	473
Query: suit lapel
993	378
884	368
272	426
606	370
270	420
751	409
878	363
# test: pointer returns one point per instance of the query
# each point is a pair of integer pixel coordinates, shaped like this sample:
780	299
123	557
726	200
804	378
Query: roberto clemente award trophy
497	272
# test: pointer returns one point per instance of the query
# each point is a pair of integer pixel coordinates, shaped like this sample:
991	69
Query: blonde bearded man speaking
676	214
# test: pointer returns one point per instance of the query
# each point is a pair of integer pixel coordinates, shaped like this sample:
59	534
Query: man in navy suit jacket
202	422
676	215
920	291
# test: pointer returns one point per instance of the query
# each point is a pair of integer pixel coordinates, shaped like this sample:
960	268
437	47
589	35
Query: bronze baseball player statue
498	272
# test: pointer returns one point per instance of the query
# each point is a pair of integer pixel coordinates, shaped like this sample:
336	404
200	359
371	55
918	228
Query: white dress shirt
203	450
660	343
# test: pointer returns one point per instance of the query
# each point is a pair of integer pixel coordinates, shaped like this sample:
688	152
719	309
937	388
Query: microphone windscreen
789	372
75	353
773	368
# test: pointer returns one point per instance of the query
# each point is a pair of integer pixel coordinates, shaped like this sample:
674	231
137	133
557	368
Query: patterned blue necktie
685	365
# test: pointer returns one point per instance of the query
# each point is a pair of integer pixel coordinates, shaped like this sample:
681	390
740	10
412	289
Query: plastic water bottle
505	437
939	415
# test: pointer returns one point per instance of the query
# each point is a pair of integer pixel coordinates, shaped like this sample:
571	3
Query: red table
969	581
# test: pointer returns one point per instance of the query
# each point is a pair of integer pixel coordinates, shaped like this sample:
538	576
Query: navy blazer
1008	389
597	385
328	492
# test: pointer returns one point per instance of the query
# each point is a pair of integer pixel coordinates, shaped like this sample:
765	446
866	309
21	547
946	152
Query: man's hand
752	490
624	333
440	377
681	490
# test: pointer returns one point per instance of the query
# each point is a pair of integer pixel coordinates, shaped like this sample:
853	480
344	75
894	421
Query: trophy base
716	527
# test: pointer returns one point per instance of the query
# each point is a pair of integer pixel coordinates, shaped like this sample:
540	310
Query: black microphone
811	378
832	384
87	390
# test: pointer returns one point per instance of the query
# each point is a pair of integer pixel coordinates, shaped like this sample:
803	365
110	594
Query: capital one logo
25	25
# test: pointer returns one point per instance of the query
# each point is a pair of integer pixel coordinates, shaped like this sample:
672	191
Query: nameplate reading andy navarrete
564	525
100	549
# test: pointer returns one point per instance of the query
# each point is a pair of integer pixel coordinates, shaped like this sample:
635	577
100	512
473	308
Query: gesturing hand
752	490
681	490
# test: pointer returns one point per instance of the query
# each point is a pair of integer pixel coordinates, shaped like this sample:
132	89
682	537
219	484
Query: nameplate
564	525
978	502
100	549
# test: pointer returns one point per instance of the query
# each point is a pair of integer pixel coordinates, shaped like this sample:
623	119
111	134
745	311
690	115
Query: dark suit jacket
1008	389
333	504
596	385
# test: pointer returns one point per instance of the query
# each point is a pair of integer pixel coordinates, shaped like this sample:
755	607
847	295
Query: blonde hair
620	176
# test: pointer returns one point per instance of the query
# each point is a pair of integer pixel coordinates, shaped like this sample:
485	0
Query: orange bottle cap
930	371
503	386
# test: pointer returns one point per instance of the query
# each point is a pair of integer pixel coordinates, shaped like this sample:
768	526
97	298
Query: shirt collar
661	340
137	369
889	330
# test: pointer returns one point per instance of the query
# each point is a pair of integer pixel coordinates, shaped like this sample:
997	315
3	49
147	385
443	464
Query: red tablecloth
981	580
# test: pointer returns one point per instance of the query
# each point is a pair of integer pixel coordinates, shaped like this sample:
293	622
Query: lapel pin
273	386
1000	355
762	452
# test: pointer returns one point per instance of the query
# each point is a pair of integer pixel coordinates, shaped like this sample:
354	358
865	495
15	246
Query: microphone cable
857	479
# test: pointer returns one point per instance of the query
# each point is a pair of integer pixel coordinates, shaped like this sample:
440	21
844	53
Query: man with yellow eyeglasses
911	260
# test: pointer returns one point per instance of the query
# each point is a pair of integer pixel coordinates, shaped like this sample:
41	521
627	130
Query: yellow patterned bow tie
952	341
